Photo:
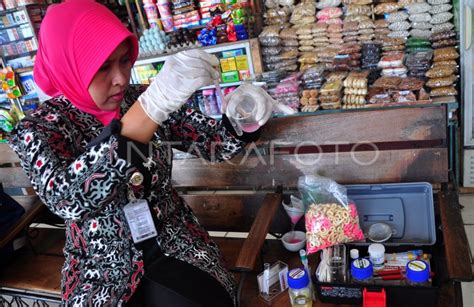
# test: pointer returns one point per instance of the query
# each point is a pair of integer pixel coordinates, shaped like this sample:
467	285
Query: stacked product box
185	14
234	66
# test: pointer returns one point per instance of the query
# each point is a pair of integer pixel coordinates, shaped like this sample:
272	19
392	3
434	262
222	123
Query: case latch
374	298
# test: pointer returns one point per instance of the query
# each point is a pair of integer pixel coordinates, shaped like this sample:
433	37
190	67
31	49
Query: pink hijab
76	37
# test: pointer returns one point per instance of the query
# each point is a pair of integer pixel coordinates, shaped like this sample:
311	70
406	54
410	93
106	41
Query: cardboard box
231	76
242	63
228	65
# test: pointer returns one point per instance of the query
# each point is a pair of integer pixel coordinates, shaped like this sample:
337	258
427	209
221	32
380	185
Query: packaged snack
391	61
271	4
304	13
436	9
270	36
418	33
445	43
398	34
443	35
441	17
422	17
329	12
357	18
304	29
396	16
353	9
438	28
271	50
290	43
305	37
366	24
306	48
399	26
441	71
416	8
289	33
378	96
403	96
331	87
332	21
451	63
383	8
445	54
421	25
443	91
437	2
328	3
381	23
388	82
319	28
411	84
441	82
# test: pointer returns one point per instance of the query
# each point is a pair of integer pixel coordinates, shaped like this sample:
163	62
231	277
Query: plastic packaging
436	9
441	82
416	8
391	61
362	271
441	71
437	2
418	33
383	8
422	17
438	28
441	17
445	54
443	91
299	288
397	16
289	33
329	12
398	34
353	9
445	43
411	84
328	3
387	82
271	50
399	26
366	24
443	35
421	25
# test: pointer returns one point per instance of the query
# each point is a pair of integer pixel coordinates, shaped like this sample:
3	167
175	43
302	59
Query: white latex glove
263	106
181	75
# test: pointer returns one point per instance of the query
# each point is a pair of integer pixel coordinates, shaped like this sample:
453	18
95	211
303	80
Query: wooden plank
234	212
35	273
14	177
253	244
346	167
7	155
458	256
256	56
389	125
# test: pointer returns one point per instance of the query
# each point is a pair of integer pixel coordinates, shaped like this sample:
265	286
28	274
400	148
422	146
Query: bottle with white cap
354	254
377	256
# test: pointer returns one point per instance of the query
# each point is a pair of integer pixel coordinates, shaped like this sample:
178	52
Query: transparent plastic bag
327	3
398	34
418	33
438	28
411	84
289	33
436	9
441	18
353	9
397	16
443	35
330	217
441	71
443	91
399	26
445	54
422	17
416	8
445	43
384	8
441	82
421	25
437	2
388	82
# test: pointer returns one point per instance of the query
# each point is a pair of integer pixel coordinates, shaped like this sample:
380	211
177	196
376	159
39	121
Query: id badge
139	220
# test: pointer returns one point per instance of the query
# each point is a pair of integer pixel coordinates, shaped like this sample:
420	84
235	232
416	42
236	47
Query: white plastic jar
377	256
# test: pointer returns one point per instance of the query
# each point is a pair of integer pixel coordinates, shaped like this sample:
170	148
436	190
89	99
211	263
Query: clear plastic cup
245	115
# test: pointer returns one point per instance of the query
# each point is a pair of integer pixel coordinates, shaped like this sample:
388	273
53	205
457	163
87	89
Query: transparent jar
337	263
417	273
299	288
362	271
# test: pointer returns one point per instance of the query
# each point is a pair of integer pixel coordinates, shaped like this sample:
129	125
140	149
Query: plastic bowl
294	241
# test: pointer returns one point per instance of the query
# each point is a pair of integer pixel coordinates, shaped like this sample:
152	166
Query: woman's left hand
263	105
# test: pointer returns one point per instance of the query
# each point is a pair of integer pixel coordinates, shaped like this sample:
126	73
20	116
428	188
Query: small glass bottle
299	288
417	273
362	271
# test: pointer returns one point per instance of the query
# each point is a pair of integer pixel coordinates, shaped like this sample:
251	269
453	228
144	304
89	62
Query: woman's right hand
181	75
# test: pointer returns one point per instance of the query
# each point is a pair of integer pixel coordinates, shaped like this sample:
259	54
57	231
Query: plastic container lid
298	279
376	250
362	269
354	254
418	271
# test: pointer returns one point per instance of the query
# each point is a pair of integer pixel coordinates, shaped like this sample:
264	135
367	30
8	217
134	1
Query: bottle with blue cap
362	271
418	273
299	288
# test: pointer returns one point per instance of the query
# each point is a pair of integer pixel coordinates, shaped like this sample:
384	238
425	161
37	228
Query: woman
97	154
